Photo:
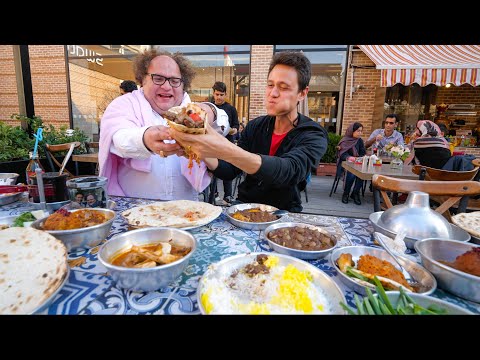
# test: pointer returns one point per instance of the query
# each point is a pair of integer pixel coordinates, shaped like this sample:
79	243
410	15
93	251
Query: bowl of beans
303	241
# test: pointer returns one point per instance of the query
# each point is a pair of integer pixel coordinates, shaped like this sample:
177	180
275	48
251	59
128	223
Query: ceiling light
448	85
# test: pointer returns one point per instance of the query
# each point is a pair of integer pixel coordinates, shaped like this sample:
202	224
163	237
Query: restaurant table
89	289
385	169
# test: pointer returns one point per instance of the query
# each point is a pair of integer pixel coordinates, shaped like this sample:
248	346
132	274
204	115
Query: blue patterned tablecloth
89	289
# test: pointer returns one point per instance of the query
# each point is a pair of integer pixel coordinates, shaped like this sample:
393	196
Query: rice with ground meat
284	290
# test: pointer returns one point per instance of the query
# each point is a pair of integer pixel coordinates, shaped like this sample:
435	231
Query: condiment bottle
32	165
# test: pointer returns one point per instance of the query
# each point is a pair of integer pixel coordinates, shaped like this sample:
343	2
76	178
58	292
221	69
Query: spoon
279	212
399	237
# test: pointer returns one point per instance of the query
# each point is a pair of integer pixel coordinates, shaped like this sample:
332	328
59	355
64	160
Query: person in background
429	147
387	135
127	86
136	152
219	95
276	151
79	199
351	145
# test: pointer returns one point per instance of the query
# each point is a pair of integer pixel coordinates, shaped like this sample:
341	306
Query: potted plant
328	165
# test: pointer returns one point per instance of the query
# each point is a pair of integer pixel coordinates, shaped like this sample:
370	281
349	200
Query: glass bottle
32	165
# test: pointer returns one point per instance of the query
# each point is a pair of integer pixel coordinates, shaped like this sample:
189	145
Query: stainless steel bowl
51	207
250	225
457	233
407	216
426	301
84	237
457	282
148	279
8	178
418	272
225	267
301	254
10	198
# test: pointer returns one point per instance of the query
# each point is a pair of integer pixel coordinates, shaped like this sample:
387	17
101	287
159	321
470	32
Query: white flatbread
177	213
469	222
33	264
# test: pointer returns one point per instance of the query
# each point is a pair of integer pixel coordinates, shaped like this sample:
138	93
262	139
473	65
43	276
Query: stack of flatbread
33	265
177	213
469	222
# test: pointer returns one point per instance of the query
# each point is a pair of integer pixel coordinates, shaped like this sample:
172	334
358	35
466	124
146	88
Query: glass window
325	94
96	72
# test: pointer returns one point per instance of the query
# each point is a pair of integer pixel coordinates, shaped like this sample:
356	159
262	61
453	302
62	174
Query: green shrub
15	143
333	140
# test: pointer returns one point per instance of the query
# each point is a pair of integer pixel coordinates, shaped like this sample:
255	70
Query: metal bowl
224	268
10	198
417	271
84	237
8	178
147	279
426	301
301	254
51	207
457	233
457	282
250	225
406	216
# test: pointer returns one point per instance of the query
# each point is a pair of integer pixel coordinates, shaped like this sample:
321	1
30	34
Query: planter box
326	169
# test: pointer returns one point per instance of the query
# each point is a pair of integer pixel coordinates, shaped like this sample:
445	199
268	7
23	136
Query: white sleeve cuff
128	143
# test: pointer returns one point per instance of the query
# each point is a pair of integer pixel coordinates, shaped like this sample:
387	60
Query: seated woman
351	145
429	147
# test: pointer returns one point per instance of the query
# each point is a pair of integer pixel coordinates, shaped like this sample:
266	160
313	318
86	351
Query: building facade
71	85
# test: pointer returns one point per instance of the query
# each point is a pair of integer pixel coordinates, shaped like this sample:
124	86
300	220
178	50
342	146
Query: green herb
25	217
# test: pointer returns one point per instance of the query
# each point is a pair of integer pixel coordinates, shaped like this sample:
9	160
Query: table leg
376	200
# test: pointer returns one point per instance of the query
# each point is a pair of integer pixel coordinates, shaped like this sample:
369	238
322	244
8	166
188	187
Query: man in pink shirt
136	152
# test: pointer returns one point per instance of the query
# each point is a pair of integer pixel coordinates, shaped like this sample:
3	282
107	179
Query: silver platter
251	225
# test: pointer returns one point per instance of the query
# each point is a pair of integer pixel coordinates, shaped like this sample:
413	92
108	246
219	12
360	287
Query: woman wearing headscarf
429	147
351	145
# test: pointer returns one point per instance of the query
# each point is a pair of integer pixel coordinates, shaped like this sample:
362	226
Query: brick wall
260	60
49	83
8	86
361	107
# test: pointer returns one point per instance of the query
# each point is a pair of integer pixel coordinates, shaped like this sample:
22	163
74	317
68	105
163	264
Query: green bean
373	301
385	309
368	307
383	295
359	305
347	309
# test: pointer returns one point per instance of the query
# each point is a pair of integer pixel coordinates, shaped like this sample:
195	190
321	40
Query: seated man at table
276	151
136	153
387	135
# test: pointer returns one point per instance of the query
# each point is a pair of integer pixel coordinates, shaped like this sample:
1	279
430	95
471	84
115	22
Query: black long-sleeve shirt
281	177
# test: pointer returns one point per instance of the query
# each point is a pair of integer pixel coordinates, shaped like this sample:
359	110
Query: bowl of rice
266	283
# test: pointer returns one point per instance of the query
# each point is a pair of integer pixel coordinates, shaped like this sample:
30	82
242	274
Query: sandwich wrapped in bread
190	119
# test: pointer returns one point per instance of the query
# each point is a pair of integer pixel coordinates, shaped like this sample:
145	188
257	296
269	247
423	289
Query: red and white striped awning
426	64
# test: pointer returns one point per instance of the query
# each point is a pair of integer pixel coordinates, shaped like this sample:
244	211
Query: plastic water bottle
365	163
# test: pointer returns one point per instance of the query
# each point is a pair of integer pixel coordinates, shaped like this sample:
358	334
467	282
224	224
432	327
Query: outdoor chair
92	147
53	150
449	192
429	174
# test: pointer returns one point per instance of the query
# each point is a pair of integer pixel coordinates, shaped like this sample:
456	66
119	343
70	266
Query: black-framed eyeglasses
160	80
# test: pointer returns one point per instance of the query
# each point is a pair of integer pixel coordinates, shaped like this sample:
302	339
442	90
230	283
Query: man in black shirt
219	95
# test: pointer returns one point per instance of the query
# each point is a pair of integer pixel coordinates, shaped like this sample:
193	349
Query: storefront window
227	63
410	103
325	96
95	73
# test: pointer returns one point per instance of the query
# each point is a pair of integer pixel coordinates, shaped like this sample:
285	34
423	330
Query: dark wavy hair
128	86
297	60
142	62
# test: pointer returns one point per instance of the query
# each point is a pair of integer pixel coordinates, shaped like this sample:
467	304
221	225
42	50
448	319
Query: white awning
426	64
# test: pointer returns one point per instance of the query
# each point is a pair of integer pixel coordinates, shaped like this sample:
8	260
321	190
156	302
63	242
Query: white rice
244	295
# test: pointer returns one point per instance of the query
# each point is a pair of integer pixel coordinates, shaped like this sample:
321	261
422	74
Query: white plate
224	268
